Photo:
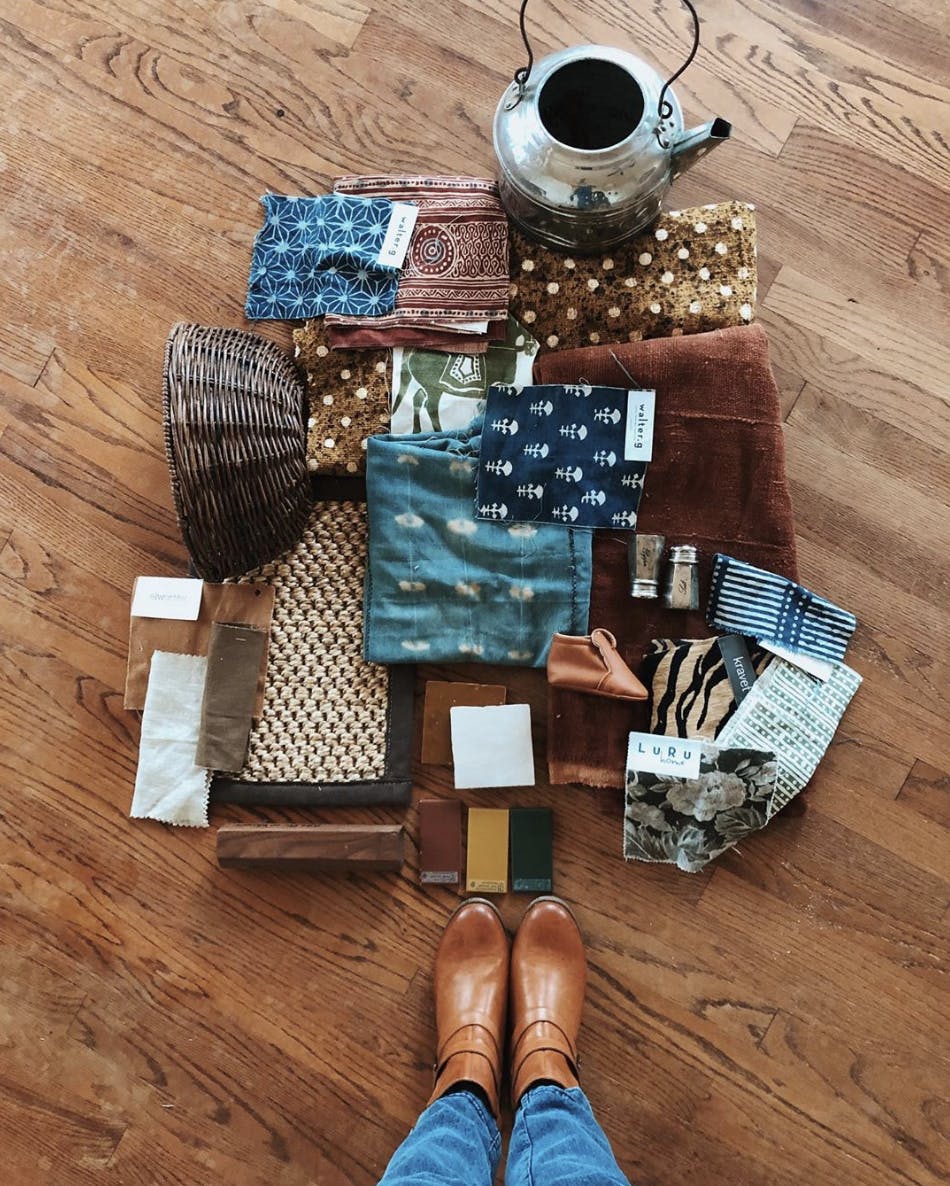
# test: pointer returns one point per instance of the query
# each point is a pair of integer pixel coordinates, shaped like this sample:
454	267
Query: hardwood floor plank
925	791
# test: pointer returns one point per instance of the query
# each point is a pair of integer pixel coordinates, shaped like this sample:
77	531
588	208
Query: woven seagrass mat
335	730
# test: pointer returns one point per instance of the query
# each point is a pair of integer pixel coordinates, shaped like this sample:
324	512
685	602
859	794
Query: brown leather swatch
248	605
436	726
440	841
234	660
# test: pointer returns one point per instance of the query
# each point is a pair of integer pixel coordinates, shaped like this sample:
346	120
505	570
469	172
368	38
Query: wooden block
306	848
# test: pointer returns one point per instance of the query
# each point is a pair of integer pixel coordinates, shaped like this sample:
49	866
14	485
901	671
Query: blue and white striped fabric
747	600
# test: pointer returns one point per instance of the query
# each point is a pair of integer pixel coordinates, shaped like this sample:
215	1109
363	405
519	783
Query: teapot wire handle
664	109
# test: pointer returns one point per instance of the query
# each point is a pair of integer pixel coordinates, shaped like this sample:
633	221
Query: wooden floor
779	1020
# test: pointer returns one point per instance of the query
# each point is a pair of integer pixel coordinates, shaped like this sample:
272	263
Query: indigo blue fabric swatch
320	255
555	454
442	586
747	600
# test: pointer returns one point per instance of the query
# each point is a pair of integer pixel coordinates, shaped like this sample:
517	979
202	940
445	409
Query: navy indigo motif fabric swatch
747	600
321	255
555	454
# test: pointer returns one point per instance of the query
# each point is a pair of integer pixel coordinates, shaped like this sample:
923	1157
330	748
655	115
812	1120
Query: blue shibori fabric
747	600
442	586
554	453
320	255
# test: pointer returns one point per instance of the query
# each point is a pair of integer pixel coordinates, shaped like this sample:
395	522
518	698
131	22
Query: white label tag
402	222
649	753
638	442
819	668
167	597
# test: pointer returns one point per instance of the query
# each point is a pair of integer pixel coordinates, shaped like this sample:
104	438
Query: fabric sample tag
321	255
638	442
234	659
491	747
749	600
248	605
440	841
169	785
794	715
174	598
555	453
819	668
673	756
532	861
487	871
436	725
402	221
688	822
739	666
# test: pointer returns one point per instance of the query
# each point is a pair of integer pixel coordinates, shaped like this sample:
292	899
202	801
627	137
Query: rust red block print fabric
456	272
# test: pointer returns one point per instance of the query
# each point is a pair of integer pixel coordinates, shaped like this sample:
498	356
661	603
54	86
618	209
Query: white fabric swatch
168	785
491	746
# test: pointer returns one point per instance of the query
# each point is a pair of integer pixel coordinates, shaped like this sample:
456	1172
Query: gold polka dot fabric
348	393
693	271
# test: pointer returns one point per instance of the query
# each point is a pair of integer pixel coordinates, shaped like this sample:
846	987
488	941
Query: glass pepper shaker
644	554
681	588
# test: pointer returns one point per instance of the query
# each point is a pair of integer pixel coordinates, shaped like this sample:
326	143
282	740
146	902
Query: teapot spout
693	143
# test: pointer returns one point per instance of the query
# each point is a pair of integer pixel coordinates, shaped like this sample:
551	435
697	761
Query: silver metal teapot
588	142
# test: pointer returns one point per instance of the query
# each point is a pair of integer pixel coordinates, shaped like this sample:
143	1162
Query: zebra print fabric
690	691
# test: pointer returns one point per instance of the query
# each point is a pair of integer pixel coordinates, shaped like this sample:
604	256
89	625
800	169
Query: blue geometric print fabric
747	600
443	587
555	454
320	255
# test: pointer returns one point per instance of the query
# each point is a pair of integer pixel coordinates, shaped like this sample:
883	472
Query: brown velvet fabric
717	481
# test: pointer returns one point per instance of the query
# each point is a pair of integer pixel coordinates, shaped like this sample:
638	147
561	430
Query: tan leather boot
548	981
471	999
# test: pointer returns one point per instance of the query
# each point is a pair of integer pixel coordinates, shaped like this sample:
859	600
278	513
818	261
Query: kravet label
649	753
735	655
402	222
167	597
638	442
819	668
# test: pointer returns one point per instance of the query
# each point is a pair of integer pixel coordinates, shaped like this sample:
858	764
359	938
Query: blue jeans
555	1141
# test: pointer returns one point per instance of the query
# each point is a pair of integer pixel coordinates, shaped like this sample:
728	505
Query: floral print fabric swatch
692	271
321	255
437	390
688	822
796	715
443	587
555	454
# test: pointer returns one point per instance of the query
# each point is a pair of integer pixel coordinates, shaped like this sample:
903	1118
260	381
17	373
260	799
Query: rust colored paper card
441	697
487	851
244	605
440	841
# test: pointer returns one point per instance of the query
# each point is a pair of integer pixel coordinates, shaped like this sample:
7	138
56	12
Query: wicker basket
235	436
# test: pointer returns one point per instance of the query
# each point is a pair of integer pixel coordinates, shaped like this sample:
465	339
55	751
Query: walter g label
178	598
649	753
638	441
402	222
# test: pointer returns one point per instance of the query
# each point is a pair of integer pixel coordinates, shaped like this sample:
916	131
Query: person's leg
456	1140
556	1141
455	1143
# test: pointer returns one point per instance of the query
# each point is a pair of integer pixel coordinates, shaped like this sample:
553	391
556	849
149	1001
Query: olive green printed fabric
434	390
796	715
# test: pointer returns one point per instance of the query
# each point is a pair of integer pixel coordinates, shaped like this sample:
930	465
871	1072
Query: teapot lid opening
590	104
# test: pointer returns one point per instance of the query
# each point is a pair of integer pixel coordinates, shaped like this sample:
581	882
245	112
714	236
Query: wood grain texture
311	848
779	1018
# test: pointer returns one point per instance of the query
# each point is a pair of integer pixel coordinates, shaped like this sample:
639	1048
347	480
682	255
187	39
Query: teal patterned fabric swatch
321	255
794	714
441	586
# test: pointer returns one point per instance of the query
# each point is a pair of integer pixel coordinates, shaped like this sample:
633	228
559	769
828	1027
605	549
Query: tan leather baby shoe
591	663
